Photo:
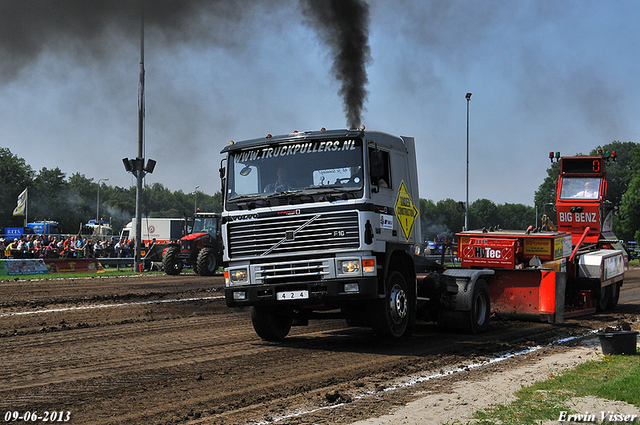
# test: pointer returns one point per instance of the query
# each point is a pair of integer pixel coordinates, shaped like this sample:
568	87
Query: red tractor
200	248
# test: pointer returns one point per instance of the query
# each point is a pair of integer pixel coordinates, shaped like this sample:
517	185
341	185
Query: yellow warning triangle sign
406	211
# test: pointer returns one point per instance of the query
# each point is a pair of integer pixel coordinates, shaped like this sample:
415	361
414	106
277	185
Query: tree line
73	200
446	217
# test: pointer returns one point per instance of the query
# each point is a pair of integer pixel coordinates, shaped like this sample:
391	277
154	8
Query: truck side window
384	178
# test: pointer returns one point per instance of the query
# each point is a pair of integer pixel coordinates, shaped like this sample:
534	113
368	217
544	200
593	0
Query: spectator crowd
49	246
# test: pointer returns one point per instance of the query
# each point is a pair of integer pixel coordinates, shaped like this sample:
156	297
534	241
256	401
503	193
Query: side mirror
245	171
222	172
376	166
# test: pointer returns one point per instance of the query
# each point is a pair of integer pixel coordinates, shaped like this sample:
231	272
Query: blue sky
545	76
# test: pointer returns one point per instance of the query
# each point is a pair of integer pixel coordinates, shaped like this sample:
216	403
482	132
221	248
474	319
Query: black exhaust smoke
91	29
344	27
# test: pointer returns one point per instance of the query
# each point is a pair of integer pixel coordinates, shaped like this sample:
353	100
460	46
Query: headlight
349	266
239	276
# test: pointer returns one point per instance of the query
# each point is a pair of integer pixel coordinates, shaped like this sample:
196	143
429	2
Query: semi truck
96	229
324	224
11	233
45	227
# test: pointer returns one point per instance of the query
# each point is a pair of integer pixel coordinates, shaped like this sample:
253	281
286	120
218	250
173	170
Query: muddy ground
166	349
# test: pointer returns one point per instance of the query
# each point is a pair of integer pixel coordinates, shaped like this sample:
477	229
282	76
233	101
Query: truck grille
293	234
301	271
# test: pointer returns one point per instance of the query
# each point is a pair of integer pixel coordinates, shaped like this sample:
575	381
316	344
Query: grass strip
614	377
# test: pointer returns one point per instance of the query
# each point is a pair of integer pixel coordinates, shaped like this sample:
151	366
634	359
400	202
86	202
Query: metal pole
466	206
195	200
98	201
26	209
139	168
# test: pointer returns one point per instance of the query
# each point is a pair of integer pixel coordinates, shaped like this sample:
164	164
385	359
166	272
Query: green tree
161	202
48	198
15	176
119	205
619	175
546	193
81	197
620	172
483	213
516	216
451	215
628	223
430	222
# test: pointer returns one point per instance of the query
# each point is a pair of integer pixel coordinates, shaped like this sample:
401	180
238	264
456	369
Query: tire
271	323
171	262
206	264
477	319
390	316
615	296
604	297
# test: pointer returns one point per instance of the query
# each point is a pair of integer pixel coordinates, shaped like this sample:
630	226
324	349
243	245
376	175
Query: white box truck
157	234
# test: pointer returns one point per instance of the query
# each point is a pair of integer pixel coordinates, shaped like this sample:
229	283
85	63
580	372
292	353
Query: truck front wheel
271	323
390	316
206	264
171	261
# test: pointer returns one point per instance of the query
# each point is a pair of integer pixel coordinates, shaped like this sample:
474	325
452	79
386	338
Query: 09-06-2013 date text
46	416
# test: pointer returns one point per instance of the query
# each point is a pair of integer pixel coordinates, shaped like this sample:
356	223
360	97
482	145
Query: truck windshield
580	188
295	166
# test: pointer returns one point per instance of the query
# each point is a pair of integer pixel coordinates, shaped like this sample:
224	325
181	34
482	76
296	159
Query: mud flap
537	295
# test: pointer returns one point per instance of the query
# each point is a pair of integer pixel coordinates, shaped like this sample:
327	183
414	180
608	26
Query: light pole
136	165
466	205
195	199
98	201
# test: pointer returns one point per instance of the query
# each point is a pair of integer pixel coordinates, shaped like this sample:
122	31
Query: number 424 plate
293	295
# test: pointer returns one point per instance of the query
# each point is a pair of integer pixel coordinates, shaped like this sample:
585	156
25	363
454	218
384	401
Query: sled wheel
615	295
604	297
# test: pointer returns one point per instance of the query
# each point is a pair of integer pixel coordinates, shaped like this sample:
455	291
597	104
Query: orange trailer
553	275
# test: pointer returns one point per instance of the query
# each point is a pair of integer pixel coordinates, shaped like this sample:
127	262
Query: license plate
293	295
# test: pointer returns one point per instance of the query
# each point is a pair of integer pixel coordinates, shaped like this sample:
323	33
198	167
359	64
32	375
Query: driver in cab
281	184
588	191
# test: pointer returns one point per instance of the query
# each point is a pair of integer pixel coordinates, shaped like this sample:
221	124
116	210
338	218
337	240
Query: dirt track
162	349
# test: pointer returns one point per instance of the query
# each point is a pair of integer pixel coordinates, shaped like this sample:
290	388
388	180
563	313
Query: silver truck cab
321	221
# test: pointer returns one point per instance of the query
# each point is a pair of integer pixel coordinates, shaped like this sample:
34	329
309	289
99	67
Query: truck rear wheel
271	323
390	316
171	261
206	264
478	317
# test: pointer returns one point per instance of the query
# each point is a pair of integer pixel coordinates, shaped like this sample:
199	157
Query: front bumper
330	292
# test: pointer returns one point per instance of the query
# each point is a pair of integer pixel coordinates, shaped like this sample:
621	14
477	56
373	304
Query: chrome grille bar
306	233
